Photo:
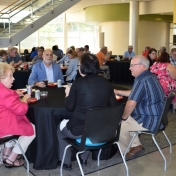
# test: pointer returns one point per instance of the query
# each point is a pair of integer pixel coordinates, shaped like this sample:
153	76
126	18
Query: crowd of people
155	78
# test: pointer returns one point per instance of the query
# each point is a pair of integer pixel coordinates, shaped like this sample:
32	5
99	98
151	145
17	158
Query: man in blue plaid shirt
143	108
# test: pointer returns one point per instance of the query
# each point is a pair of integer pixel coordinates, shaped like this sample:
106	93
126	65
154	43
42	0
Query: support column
133	25
65	33
174	17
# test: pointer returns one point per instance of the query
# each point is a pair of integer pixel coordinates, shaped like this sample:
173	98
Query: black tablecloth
21	79
43	151
119	71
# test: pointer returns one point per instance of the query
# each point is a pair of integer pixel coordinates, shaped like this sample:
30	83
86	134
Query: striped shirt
150	98
172	61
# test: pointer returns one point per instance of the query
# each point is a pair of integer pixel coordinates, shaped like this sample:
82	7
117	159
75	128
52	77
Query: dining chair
14	138
101	130
162	123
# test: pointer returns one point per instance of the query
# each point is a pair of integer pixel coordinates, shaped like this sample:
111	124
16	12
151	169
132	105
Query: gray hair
163	48
143	60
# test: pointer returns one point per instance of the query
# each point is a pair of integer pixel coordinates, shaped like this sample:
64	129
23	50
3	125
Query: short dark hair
164	58
54	48
86	46
89	64
3	52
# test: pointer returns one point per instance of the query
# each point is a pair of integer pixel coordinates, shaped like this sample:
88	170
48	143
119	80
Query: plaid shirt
172	61
150	98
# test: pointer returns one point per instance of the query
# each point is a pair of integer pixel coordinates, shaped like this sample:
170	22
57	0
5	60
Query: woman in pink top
13	120
166	73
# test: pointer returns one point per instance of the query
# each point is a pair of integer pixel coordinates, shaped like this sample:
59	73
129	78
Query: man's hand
130	105
40	84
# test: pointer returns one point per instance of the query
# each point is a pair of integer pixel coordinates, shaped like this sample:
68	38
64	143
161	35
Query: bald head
47	57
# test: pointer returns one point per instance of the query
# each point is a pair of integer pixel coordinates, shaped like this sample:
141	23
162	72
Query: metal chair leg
27	162
168	141
130	144
63	158
80	167
124	162
165	163
98	157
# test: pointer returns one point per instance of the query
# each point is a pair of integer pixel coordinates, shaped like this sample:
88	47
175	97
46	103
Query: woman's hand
19	93
67	91
26	98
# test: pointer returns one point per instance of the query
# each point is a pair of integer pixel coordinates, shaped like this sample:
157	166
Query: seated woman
88	92
166	73
152	56
12	119
73	66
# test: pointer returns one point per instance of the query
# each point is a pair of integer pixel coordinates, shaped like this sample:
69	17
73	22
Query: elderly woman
12	119
152	56
166	73
88	92
73	66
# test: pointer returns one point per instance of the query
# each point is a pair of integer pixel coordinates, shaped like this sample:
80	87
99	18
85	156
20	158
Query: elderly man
162	49
104	56
173	56
143	108
13	58
38	58
145	52
46	70
129	54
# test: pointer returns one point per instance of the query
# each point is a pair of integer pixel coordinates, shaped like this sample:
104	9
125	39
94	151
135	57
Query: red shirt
13	120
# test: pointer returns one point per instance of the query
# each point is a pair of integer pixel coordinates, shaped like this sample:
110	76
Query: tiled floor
148	165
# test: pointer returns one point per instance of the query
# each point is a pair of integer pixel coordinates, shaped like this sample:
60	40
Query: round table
43	151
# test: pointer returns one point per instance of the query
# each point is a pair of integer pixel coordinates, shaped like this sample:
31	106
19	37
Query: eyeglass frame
131	65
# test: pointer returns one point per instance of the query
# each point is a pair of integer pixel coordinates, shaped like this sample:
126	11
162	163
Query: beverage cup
46	82
29	89
43	95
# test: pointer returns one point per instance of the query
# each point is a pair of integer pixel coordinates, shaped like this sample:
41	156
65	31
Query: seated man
144	106
173	56
145	52
38	58
45	70
13	58
129	54
86	49
3	56
104	56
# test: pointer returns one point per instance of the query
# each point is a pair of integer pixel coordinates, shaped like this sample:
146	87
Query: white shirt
49	73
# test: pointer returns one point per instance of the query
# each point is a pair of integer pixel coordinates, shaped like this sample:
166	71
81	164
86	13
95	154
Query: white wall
116	35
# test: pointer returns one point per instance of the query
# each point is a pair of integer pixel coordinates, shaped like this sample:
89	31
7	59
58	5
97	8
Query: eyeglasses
132	65
79	65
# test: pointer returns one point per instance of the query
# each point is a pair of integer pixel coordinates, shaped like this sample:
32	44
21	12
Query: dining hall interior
69	26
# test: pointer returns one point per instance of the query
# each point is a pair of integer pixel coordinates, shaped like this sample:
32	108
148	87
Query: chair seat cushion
89	143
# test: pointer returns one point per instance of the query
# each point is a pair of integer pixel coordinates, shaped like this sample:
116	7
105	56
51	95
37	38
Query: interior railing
20	9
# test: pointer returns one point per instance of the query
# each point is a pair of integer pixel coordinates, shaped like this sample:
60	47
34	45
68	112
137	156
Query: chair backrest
102	124
163	119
